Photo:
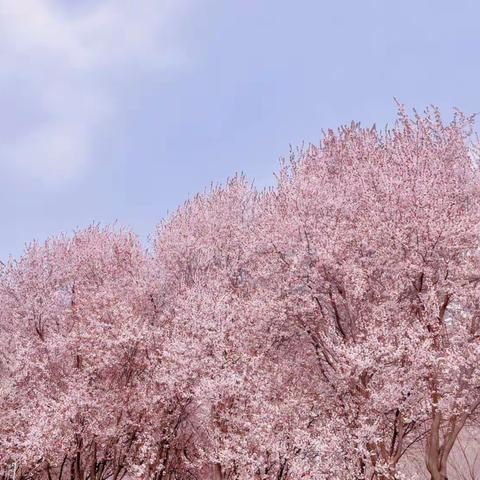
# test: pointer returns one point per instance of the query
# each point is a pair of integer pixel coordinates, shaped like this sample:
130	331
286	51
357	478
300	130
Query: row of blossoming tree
325	328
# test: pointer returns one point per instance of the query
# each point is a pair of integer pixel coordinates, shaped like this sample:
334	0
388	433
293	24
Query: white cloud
67	57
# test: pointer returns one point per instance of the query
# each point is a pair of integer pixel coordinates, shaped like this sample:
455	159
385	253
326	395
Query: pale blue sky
121	110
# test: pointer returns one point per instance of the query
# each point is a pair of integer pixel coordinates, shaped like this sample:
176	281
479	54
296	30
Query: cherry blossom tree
258	403
372	242
82	392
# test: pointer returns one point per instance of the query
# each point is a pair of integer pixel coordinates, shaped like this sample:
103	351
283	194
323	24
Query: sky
120	110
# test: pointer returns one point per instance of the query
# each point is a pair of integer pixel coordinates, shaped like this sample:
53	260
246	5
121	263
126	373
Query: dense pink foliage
315	330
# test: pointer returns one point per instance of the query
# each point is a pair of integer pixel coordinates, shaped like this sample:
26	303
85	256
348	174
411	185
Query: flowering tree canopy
321	328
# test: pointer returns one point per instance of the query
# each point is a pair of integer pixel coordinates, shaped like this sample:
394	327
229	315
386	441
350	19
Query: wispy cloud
63	60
